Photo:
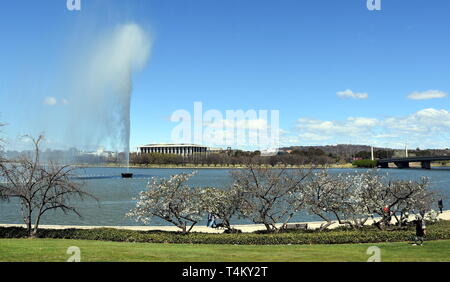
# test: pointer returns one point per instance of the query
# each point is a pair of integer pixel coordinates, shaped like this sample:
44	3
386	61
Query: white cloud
249	124
349	94
50	101
425	128
386	136
241	133
421	122
350	126
426	95
362	122
313	137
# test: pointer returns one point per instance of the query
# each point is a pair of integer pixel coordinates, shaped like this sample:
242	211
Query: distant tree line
378	154
313	155
237	157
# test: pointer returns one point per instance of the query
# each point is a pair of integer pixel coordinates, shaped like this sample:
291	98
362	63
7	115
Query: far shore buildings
177	149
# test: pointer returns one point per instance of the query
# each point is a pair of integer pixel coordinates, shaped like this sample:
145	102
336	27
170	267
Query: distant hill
348	150
338	150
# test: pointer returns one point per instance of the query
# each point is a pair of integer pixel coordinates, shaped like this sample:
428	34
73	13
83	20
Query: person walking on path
421	231
211	221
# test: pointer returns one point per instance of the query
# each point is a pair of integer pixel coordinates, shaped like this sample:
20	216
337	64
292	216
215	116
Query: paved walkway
247	228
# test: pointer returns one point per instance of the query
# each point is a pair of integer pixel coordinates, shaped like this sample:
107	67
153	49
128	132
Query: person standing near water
440	205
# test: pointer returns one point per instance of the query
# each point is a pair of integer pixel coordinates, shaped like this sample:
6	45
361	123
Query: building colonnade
174	150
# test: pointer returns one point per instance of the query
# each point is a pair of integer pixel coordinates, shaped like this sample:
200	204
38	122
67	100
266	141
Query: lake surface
116	194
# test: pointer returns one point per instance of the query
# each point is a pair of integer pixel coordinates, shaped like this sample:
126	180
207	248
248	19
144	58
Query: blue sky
337	72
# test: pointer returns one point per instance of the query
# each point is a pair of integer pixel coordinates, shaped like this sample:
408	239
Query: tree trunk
34	232
183	228
29	226
29	229
324	226
192	226
226	224
36	227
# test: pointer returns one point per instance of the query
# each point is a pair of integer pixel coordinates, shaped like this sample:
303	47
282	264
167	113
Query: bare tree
352	199
223	203
337	196
39	188
170	200
396	199
270	196
319	197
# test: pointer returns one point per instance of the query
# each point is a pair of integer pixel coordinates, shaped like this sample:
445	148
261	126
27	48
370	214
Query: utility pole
371	153
406	149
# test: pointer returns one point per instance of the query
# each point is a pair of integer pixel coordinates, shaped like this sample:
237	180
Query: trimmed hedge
437	231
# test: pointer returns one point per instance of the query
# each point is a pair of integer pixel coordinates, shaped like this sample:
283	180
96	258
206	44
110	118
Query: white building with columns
174	149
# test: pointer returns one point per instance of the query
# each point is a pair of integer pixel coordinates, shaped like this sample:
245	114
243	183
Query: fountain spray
102	92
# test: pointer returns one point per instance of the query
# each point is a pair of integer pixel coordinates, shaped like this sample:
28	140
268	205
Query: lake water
116	194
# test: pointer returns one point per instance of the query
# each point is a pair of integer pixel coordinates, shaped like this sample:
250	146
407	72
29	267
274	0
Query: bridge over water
404	162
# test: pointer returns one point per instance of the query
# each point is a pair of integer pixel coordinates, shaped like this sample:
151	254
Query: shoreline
347	166
245	228
344	166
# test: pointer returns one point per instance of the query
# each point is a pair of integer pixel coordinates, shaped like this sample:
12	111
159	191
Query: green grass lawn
51	250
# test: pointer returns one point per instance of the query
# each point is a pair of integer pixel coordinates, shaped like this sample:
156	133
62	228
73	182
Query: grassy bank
52	250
